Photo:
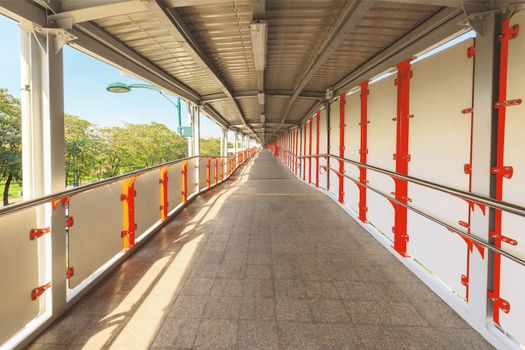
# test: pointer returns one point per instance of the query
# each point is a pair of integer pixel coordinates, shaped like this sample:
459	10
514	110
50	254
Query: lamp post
119	88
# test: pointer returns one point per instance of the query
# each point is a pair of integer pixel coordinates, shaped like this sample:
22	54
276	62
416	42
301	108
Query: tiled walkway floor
261	262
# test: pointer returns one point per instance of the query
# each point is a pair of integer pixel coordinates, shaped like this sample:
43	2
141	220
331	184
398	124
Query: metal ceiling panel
296	29
299	110
145	34
223	32
385	23
251	109
274	108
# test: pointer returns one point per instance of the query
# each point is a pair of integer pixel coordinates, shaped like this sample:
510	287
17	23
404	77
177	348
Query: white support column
197	143
43	157
235	141
224	136
483	144
191	142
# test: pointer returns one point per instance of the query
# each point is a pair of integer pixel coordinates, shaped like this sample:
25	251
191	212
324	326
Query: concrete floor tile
235	258
384	313
287	271
232	270
257	308
204	270
438	314
321	289
290	288
177	333
259	258
64	330
461	339
288	309
258	271
222	308
380	338
188	306
231	287
338	336
216	334
298	335
257	335
258	287
328	310
197	286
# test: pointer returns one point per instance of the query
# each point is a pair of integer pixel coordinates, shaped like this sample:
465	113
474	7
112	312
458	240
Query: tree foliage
211	147
92	152
10	141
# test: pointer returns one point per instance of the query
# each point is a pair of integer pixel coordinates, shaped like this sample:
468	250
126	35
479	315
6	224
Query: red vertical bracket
363	151
310	153
184	191
163	193
208	173
304	151
128	205
216	170
507	33
402	156
317	136
342	103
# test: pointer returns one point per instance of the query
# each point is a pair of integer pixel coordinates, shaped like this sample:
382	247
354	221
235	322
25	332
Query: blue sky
85	80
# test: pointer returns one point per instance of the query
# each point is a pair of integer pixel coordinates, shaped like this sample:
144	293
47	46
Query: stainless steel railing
489	202
87	187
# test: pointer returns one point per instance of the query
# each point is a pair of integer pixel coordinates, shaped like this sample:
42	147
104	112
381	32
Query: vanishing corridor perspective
368	191
261	262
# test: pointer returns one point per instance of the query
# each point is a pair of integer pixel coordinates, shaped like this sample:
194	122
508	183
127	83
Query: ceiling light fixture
259	33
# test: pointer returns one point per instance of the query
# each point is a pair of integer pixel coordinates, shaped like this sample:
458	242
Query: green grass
15	190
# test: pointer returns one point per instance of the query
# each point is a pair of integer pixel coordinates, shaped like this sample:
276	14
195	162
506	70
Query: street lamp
120	88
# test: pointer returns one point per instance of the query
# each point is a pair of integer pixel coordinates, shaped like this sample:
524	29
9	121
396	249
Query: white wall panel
203	172
95	236
439	144
382	107
334	146
323	143
352	144
19	271
174	186
192	176
147	201
512	274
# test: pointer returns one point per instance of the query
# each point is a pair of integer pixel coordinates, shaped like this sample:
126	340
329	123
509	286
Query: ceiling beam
258	27
83	11
352	14
437	28
133	62
212	113
442	3
23	11
174	24
183	3
253	94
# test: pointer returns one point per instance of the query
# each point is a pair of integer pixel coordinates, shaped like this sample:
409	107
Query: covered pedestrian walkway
262	262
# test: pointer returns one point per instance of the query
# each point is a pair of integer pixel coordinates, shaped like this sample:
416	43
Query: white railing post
482	145
196	116
43	157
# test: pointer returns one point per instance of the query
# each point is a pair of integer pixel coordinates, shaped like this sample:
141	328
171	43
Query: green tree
10	141
211	146
138	146
82	146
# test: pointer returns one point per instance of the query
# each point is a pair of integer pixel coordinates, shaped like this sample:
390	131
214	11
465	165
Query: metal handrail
444	224
455	192
489	202
87	187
